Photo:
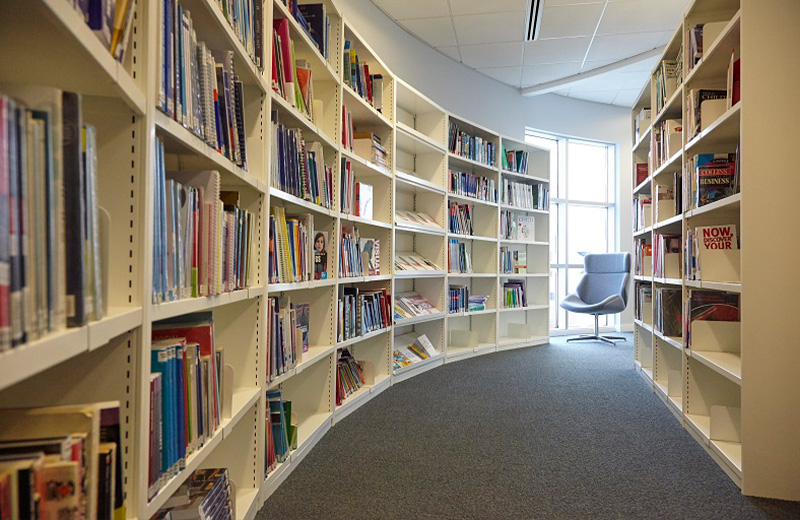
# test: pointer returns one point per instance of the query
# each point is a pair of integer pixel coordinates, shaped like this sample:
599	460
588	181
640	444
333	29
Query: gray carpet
556	431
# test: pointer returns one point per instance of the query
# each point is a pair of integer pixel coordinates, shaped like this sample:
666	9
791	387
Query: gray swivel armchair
602	290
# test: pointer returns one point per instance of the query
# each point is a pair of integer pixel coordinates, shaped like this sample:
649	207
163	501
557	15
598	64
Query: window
583	215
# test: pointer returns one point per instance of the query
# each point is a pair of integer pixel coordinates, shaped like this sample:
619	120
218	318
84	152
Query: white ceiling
576	36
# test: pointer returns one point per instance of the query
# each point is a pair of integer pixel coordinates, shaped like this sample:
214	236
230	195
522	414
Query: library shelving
727	381
110	359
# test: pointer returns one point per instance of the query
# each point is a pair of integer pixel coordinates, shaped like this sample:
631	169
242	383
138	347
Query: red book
737	84
641	173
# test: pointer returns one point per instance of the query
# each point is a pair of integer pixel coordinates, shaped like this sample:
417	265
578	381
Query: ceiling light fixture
533	19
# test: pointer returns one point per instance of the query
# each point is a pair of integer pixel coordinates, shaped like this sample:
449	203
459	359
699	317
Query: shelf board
359	339
471	237
472	275
363	167
470	200
515	208
528	308
731	453
524	275
419	319
454	161
321	70
459	352
734	287
311	132
730	204
419	364
246	503
69	57
727	364
300	286
671	165
415	142
364	279
643	278
363	113
646	326
27	360
673	107
193	462
352	401
523	242
716	57
470	313
509	343
294	203
644	140
365	221
637	234
309	358
425	230
276	477
723	131
701	424
310	429
525	177
180	140
648	371
419	274
668	281
243	400
641	188
675	342
164	310
408	182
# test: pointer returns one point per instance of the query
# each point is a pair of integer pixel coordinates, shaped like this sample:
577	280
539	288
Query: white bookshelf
730	388
110	359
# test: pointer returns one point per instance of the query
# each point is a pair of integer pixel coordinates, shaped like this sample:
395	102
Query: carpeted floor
556	431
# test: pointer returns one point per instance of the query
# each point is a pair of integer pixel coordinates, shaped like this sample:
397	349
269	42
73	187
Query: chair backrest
606	275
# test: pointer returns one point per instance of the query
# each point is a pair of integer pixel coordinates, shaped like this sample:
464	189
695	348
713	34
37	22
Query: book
472	147
642	172
412	261
412	304
706	305
291	251
371	252
667	311
460	219
364	204
474	186
303	313
321	255
459	256
514	226
525	196
514	294
349	376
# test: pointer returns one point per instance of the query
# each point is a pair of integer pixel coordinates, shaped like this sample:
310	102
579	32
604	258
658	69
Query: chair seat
611	305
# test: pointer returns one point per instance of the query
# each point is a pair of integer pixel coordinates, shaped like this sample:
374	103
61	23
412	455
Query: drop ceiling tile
646	65
462	7
590	65
414	8
598	96
451	52
570	20
557	50
536	74
508	75
436	32
627	97
492	55
632	16
620	46
553	3
490	28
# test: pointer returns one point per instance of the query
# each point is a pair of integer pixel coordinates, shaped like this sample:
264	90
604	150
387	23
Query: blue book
101	19
169	38
162	352
181	392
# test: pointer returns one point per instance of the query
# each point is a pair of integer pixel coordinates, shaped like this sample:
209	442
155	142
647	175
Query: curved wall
496	105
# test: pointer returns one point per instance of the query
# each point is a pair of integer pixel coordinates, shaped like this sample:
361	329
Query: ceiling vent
533	19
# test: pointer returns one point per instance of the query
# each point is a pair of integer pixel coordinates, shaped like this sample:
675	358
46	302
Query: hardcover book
321	255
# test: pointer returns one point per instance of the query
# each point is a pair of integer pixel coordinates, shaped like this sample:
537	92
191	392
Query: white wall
490	103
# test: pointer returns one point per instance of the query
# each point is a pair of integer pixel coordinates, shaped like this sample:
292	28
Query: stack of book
412	261
461	301
315	22
199	88
709	306
290	247
473	186
410	349
368	146
360	312
643	258
112	22
515	161
642	172
667	79
713	177
416	219
50	239
641	122
357	77
202	238
347	128
291	79
459	258
667	141
245	18
62	462
642	212
349	376
186	398
694	106
525	196
701	240
285	346
643	300
514	294
665	244
281	429
207	493
517	227
460	220
471	146
667	307
350	261
411	305
299	168
513	261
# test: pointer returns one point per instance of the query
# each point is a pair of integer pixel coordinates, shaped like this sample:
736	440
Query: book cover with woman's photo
321	255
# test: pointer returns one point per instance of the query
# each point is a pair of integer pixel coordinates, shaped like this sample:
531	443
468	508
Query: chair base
592	337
